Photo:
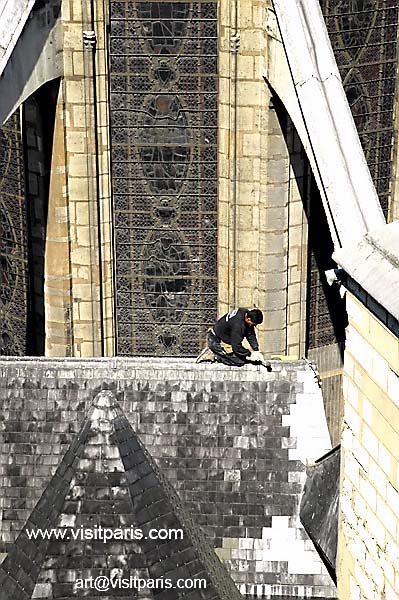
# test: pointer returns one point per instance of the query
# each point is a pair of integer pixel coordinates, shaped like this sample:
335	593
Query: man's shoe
205	356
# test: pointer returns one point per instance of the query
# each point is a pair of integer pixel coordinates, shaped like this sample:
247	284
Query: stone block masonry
253	189
79	287
368	550
232	443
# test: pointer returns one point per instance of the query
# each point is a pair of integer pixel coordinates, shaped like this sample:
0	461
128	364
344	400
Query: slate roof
233	443
107	478
319	506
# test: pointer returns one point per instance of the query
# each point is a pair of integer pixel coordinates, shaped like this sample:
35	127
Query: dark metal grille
321	330
363	35
326	310
163	98
13	244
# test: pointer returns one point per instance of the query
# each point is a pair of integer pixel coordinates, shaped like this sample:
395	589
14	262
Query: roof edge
373	263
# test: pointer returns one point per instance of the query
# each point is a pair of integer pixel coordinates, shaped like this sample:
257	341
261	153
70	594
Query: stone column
299	187
102	169
82	154
57	268
393	208
262	224
274	235
243	146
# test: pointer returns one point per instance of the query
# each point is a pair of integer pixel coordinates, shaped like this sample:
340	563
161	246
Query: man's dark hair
255	315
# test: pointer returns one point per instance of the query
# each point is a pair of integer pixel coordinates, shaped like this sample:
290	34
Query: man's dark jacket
232	329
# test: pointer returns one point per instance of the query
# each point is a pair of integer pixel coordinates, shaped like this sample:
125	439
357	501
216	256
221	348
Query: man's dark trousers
233	360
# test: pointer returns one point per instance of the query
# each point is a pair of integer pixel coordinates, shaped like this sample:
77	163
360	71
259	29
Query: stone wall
297	251
232	442
243	148
79	296
57	281
38	124
262	229
368	564
261	224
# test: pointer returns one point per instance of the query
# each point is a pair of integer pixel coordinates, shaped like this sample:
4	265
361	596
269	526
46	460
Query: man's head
253	317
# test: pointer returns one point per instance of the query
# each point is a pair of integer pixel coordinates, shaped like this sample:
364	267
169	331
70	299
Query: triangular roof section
107	478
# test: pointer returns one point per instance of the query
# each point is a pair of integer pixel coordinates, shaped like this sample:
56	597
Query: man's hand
256	357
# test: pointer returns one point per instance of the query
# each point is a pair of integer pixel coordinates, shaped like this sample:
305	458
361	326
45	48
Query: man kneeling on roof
226	336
